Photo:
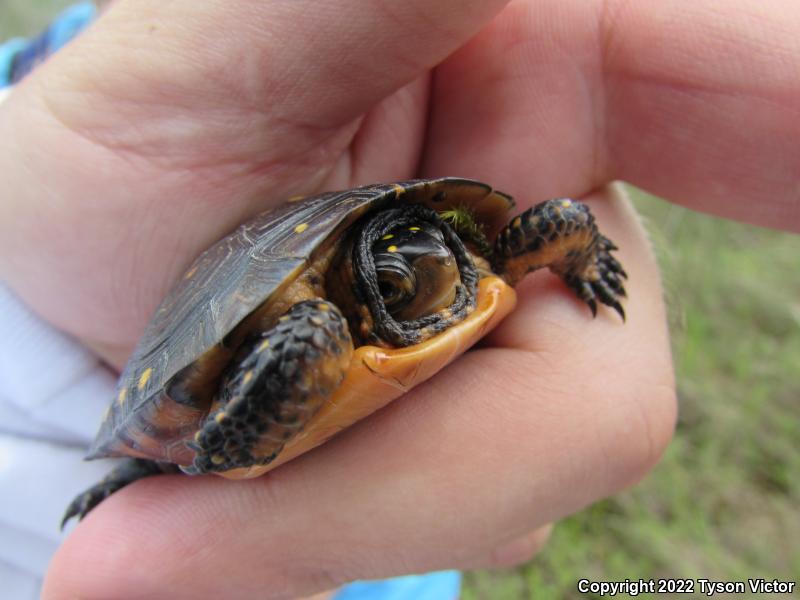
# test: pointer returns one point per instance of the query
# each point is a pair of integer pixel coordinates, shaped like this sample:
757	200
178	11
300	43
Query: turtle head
417	272
412	275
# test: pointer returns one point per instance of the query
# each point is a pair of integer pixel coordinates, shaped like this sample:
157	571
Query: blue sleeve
442	585
18	56
8	51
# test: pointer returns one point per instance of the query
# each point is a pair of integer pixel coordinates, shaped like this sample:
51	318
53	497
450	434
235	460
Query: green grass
723	504
27	17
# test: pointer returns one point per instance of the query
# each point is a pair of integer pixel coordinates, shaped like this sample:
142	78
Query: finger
688	102
502	442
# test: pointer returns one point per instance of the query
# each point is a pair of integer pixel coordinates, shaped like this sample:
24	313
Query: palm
176	179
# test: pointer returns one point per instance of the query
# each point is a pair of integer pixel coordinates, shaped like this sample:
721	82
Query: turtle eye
396	281
417	273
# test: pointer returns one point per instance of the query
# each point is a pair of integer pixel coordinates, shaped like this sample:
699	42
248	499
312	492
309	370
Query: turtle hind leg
283	377
128	471
561	234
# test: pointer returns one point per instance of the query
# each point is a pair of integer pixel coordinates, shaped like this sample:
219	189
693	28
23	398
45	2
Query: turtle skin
274	325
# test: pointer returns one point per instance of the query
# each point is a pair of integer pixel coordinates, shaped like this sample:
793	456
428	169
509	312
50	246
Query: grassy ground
723	504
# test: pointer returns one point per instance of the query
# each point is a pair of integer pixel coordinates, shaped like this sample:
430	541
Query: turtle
315	314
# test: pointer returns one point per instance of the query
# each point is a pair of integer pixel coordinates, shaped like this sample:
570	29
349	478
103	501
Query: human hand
586	407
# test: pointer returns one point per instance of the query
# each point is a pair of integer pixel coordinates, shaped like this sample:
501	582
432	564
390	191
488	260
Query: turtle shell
238	274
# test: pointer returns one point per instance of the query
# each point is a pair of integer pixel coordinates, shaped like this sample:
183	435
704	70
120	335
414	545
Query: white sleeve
53	392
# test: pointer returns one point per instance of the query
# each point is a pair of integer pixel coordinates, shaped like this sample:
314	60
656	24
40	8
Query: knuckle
647	435
519	551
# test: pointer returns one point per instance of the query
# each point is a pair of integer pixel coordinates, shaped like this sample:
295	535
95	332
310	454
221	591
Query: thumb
335	58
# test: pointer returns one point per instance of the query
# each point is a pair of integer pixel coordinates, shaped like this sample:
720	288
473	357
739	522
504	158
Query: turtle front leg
284	376
561	234
128	471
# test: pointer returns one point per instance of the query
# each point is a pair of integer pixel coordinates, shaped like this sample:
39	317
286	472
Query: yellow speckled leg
284	378
562	235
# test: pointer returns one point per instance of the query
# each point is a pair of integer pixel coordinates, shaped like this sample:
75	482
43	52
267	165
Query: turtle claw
607	275
128	471
593	305
87	500
600	280
620	311
605	296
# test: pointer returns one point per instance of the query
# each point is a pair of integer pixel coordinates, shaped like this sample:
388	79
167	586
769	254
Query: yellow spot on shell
301	228
516	223
399	190
144	378
190	273
392	248
283	319
264	345
413	228
197	436
220	417
217	459
247	377
566	203
388	236
121	396
295	198
323	307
